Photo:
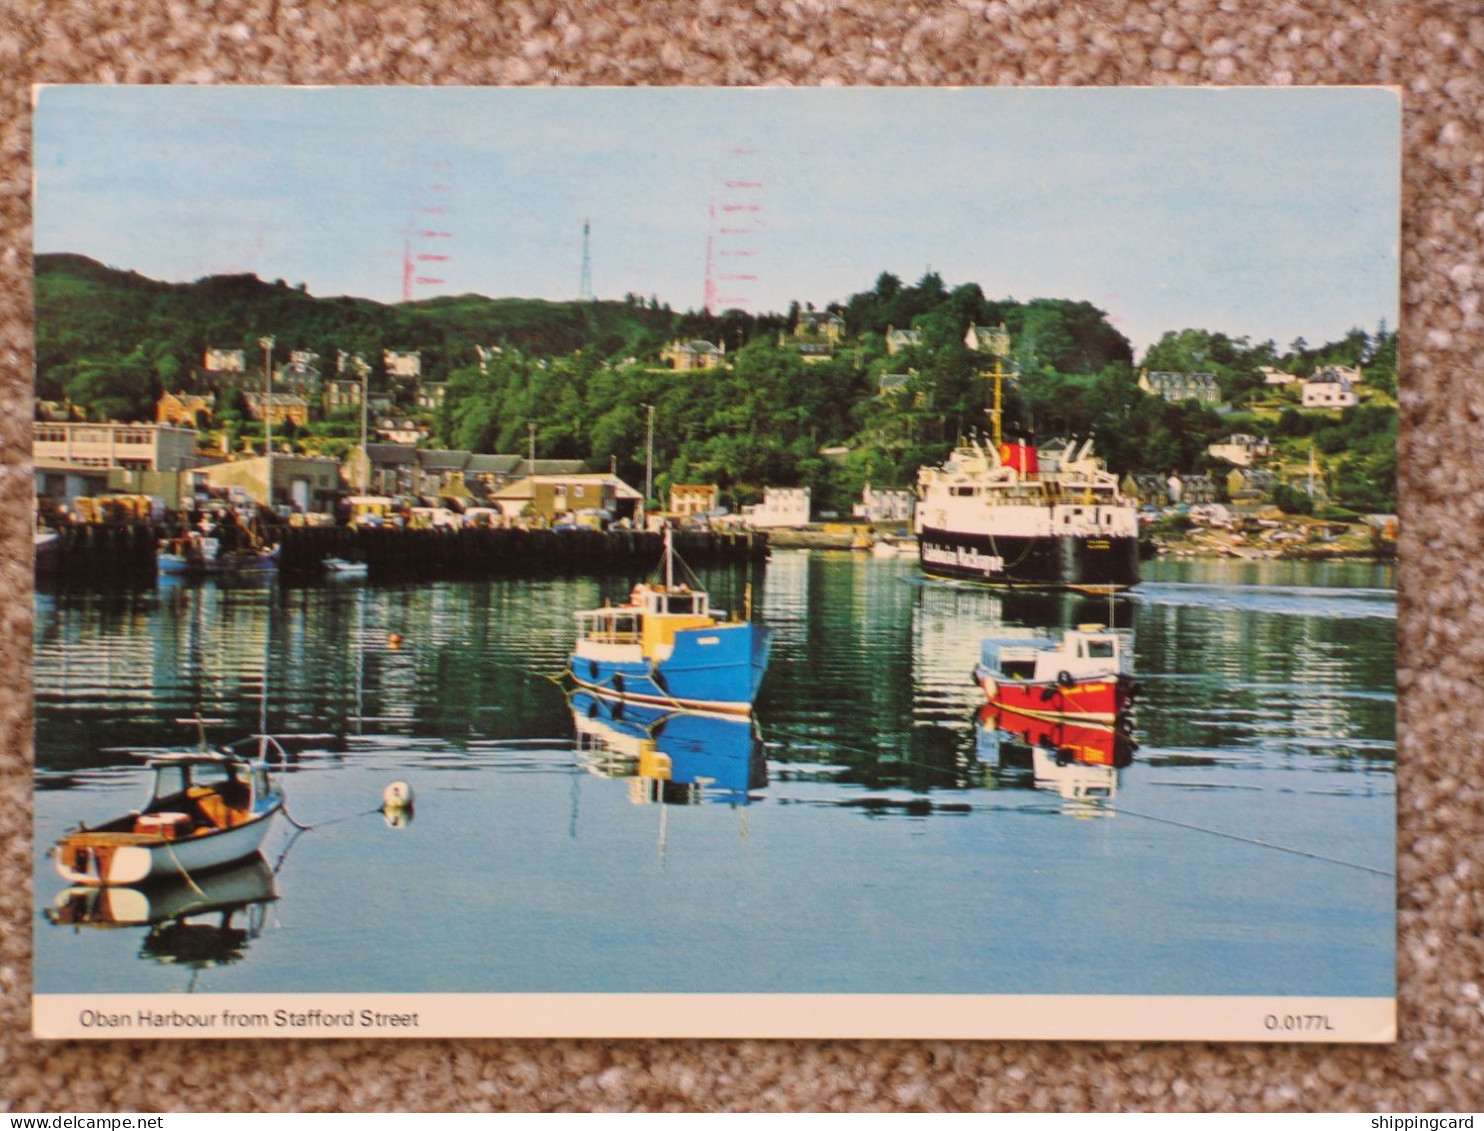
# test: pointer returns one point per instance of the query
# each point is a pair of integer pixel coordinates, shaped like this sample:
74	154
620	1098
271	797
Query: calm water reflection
876	830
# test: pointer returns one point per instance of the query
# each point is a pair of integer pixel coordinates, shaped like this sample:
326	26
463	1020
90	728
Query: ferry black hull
1069	562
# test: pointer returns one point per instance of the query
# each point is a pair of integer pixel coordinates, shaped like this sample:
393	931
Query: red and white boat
1087	677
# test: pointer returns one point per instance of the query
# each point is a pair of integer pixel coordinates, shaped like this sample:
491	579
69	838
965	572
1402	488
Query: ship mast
998	342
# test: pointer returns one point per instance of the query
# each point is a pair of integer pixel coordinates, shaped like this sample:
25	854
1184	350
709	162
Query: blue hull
718	668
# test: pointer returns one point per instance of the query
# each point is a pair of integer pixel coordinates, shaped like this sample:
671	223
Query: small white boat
344	567
208	809
892	547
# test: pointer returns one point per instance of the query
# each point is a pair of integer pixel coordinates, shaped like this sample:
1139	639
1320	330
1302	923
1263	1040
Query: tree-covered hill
584	373
115	339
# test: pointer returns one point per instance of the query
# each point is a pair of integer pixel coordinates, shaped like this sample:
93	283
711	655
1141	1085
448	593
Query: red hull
1101	700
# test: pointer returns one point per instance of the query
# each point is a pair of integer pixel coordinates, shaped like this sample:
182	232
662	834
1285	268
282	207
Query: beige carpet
1433	49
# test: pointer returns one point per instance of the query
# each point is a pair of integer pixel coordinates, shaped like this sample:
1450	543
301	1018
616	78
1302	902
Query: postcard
716	562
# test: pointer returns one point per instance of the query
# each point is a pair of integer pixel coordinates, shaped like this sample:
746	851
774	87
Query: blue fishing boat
668	648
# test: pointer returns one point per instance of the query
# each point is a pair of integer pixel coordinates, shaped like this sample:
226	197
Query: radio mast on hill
422	236
585	284
736	221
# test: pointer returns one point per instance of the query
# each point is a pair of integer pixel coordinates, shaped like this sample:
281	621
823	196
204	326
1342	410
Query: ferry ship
989	515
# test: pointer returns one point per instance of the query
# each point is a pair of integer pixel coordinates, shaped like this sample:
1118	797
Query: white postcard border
661	1015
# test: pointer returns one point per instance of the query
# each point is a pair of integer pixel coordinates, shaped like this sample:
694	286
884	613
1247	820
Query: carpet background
1432	49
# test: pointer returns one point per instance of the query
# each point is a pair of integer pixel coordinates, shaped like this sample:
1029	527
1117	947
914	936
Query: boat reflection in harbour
670	757
1080	762
198	921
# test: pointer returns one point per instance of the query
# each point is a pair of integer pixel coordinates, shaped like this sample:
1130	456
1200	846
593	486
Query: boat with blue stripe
668	648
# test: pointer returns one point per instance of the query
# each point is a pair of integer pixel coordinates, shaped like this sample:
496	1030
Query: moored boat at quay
988	515
667	647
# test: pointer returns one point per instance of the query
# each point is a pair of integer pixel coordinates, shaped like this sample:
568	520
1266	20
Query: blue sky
1266	212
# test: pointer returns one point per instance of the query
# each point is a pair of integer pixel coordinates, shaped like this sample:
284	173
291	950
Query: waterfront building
305	484
76	458
781	507
688	500
886	504
548	499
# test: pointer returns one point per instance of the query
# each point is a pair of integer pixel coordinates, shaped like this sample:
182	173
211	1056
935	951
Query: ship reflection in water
1080	762
199	922
672	757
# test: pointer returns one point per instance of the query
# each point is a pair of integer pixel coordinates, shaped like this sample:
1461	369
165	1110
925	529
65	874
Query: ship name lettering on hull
964	557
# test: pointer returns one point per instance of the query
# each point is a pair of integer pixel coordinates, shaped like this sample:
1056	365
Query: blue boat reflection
669	756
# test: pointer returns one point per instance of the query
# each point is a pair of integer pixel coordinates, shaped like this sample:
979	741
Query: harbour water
868	835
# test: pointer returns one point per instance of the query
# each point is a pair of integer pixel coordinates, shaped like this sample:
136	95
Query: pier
126	553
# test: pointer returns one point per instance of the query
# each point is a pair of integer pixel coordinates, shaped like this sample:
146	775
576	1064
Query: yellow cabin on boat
668	611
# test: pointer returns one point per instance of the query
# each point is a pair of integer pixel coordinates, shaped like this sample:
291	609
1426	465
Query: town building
300	484
77	458
283	407
885	504
781	506
341	394
685	357
1271	376
1327	390
225	361
1192	490
1147	490
821	325
892	384
898	340
988	339
62	410
431	395
688	500
1249	487
403	365
551	499
815	336
1350	373
351	366
186	410
400	430
1241	449
1177	388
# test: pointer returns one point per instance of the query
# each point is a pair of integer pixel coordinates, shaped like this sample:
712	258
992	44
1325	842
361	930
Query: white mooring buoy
396	804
